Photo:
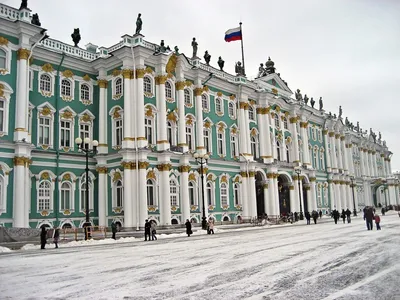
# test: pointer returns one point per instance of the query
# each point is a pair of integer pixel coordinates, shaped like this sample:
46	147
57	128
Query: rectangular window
220	143
65	196
148	130
224	197
1	116
207	144
234	152
189	138
65	134
44	131
84	131
118	132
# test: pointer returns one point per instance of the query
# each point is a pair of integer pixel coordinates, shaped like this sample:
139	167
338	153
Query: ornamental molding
184	168
68	74
48	68
102	170
102	83
180	85
161	79
86	77
3	41
23	54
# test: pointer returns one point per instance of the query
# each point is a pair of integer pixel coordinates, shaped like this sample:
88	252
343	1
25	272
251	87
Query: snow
323	261
4	249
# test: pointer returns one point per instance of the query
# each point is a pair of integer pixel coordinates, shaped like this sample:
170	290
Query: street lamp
354	200
83	145
202	159
298	172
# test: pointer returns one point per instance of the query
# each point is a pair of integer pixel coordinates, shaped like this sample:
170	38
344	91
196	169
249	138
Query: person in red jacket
377	221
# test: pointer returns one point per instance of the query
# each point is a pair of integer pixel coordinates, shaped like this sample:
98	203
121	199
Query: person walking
320	213
147	227
153	230
113	229
369	216
188	227
315	216
211	226
348	214
308	217
383	211
56	237
377	222
43	238
343	215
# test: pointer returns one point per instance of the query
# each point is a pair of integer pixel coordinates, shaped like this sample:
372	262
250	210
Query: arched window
285	123
231	110
251	113
44	198
147	84
277	122
66	194
66	88
315	158
187	97
173	192
236	195
168	90
218	106
45	83
83	195
85	92
209	193
278	150
151	197
119	193
169	133
118	86
2	115
224	194
321	160
287	153
3	59
148	130
253	144
204	102
207	139
192	194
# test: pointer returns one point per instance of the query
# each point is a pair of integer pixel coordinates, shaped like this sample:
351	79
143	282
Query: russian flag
234	34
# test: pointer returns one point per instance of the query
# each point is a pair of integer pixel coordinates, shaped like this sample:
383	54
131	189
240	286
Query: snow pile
4	249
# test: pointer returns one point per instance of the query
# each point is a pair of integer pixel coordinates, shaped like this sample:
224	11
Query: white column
345	148
128	205
313	191
247	129
22	102
331	187
245	194
367	200
181	117
27	186
292	195
276	195
162	140
271	197
263	131
339	149
142	141
199	120
296	206
338	196
184	192
102	194
333	151
389	166
350	160
375	156
392	194
164	201
354	194
19	192
134	196
304	138
367	169
143	209
252	194
128	137
266	199
242	128
295	139
397	194
268	144
103	116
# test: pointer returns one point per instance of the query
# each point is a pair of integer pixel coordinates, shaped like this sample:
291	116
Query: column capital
184	168
161	79
293	120
23	53
143	165
103	83
140	73
331	134
101	170
180	85
127	73
164	167
198	91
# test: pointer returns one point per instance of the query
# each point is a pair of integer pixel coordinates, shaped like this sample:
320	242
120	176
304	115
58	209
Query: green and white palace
151	109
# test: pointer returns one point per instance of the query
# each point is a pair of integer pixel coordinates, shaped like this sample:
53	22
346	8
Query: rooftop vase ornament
194	45
221	63
207	58
76	36
139	24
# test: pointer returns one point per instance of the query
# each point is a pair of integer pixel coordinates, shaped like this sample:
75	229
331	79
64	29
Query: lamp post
83	145
202	159
352	179
298	172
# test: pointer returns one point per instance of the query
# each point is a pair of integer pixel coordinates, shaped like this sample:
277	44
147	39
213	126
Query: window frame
82	183
153	186
224	194
188	95
89	93
148	86
175	193
205	102
8	58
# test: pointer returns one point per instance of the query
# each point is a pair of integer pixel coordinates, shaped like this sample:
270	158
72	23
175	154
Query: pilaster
162	140
139	111
103	116
180	85
102	195
128	141
199	120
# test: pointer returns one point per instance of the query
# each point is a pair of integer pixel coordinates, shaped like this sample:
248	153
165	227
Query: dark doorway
284	195
174	222
260	194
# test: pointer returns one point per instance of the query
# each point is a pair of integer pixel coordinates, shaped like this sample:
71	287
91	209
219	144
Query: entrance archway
284	195
260	194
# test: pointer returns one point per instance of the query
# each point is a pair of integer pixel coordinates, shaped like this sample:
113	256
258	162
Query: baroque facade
151	109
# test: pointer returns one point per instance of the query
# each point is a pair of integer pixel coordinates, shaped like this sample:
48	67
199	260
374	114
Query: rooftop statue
312	102
76	36
35	20
139	24
305	99
340	112
379	136
298	95
176	49
321	104
24	4
239	69
194	45
221	63
261	71
162	46
207	58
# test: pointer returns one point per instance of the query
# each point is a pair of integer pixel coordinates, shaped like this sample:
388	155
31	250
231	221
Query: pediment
274	81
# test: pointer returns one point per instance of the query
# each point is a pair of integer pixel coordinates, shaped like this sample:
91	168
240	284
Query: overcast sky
348	52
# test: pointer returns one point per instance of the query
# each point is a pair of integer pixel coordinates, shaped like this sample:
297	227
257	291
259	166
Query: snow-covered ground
323	261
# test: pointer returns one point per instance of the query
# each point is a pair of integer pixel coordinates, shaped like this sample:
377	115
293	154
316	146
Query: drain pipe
136	144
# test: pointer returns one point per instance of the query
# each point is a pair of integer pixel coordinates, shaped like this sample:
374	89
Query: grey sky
348	52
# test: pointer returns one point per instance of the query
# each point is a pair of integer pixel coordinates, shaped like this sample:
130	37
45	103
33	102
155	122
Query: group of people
314	215
369	216
44	236
345	215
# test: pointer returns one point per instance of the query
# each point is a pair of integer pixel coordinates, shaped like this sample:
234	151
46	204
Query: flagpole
241	33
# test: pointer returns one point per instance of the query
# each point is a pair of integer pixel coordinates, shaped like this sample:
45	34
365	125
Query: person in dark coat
348	214
343	215
188	227
315	216
320	214
308	217
383	211
56	237
147	227
113	229
369	216
335	215
43	238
